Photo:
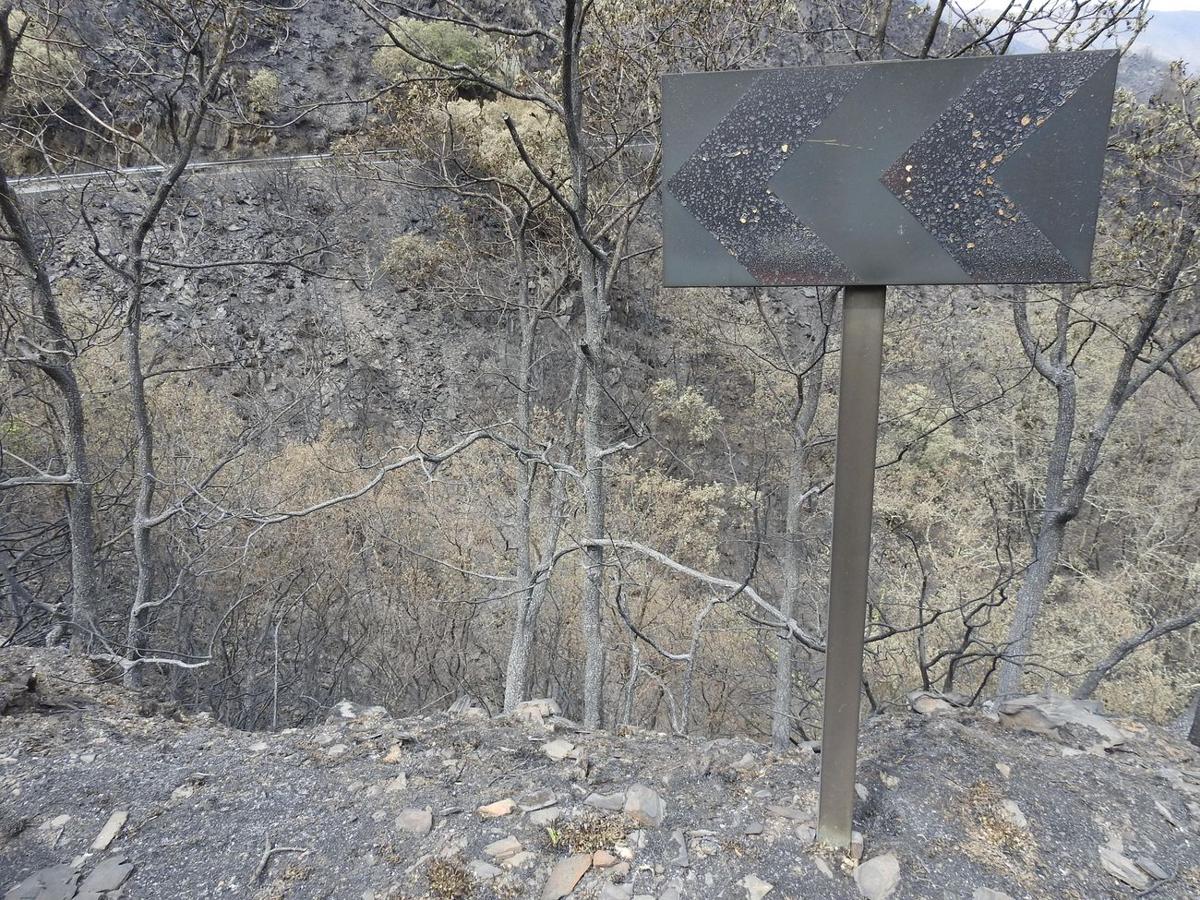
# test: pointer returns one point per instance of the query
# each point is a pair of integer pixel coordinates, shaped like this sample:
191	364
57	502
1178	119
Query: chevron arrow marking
951	178
724	184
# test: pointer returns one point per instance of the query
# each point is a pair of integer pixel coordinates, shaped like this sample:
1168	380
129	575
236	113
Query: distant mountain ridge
1172	35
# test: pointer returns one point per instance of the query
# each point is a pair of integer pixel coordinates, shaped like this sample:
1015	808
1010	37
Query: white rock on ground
110	830
558	749
878	877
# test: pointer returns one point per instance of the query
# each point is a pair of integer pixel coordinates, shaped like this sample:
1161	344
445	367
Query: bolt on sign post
961	171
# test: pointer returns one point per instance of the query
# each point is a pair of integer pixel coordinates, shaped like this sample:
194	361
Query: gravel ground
959	802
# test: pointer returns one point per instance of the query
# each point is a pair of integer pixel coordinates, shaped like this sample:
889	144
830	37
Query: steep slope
457	804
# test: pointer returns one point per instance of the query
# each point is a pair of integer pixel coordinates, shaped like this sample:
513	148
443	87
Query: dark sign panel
932	172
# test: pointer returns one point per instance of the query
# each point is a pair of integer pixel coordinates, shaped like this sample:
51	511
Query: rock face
878	877
1062	718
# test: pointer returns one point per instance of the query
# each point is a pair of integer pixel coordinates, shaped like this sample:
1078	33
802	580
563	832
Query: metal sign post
853	493
963	171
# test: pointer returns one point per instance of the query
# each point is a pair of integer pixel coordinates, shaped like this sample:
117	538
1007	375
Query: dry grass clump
992	838
587	835
449	879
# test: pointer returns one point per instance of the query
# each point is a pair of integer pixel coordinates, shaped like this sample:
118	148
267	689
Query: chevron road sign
963	171
932	172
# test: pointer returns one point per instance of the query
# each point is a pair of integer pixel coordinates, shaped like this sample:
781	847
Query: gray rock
481	870
681	856
926	704
1010	812
53	883
544	816
644	806
1058	717
755	887
610	802
616	892
503	849
558	749
565	875
111	829
415	821
878	877
106	878
1122	868
535	800
789	812
1152	868
535	712
984	893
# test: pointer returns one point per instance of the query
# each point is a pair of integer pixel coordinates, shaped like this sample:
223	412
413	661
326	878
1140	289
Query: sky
1166	5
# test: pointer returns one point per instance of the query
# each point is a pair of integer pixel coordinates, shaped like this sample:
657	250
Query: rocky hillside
106	795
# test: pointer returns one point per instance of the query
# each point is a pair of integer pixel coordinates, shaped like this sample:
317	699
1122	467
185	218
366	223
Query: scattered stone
518	860
878	877
753	828
602	859
558	749
616	892
861	791
415	821
110	830
891	782
1122	868
56	822
498	809
503	849
336	750
482	870
394	755
681	856
346	710
53	883
535	712
789	812
259	746
926	704
105	879
755	887
857	845
543	817
1167	813
399	783
989	894
644	806
1005	771
535	800
565	875
1152	868
610	802
806	834
1010	812
823	866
